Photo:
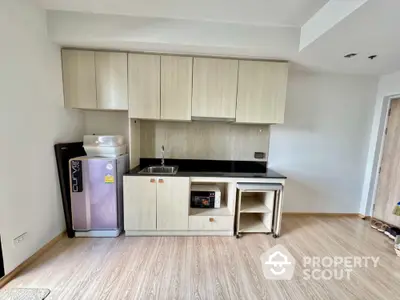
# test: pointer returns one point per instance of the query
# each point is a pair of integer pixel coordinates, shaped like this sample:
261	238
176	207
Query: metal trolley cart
259	208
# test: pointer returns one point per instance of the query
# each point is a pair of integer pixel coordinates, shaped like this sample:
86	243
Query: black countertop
210	168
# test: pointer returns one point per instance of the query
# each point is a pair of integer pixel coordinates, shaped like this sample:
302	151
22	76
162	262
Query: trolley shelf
256	208
222	211
253	205
252	223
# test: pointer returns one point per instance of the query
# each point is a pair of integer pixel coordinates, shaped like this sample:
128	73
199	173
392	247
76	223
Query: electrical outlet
19	239
259	155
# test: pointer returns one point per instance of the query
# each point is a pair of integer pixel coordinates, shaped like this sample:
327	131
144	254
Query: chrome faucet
162	158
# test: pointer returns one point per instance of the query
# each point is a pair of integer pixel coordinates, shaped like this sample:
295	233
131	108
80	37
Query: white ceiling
269	29
371	29
255	12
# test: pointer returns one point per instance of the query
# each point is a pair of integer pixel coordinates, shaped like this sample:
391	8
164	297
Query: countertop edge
273	175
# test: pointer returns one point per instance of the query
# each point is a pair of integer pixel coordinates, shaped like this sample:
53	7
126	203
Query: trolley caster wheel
238	236
275	235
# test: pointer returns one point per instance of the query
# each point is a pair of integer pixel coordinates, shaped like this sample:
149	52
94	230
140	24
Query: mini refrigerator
96	195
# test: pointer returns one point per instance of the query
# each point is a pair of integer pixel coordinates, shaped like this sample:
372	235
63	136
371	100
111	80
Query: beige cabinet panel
176	88
140	203
261	92
173	203
79	79
144	86
214	88
211	223
112	80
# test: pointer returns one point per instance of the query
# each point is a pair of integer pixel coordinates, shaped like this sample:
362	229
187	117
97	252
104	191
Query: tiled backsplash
203	140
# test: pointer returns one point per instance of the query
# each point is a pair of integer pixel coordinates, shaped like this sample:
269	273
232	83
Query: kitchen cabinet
112	80
214	88
173	203
261	94
160	206
176	88
140	203
210	223
156	203
144	86
79	79
95	80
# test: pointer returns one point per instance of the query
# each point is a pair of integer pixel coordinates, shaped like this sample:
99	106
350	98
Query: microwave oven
205	196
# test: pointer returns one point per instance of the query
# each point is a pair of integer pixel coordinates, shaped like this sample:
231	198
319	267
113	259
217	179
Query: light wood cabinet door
261	92
173	203
211	223
144	86
112	80
79	79
176	88
214	88
140	203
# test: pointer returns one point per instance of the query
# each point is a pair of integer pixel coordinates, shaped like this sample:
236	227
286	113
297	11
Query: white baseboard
177	233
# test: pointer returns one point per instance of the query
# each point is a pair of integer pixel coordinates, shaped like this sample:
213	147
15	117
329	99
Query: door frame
380	144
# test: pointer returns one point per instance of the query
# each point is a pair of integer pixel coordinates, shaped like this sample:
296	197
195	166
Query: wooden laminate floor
215	267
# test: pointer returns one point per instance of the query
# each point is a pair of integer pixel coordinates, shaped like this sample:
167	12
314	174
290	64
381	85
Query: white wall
106	123
171	35
322	147
32	120
389	86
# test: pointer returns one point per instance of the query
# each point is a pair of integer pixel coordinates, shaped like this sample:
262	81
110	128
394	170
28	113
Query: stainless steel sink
161	170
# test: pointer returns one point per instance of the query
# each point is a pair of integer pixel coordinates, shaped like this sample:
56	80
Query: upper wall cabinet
176	88
95	80
144	86
79	79
214	88
112	80
261	92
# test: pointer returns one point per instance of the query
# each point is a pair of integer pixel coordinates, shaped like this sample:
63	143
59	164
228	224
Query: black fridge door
2	272
64	152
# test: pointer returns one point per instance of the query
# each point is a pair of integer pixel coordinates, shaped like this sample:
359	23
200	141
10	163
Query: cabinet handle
212	219
160	180
152	180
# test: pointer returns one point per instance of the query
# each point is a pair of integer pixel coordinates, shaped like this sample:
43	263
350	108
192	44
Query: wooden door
176	88
261	92
79	79
173	203
388	190
140	203
144	86
112	80
214	88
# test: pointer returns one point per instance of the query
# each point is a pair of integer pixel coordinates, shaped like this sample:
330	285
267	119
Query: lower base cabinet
160	206
210	223
140	203
156	203
173	203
